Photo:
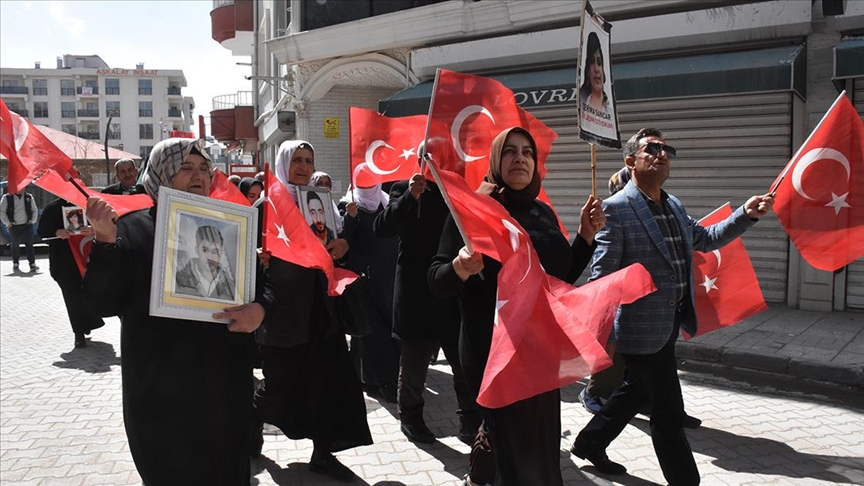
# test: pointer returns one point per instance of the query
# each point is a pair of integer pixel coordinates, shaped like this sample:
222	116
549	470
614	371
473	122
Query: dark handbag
355	309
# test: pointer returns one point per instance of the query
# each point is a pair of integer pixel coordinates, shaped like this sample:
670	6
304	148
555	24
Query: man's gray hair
632	145
124	161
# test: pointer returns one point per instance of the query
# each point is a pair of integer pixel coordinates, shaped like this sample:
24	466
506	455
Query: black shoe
15	267
33	268
691	422
418	433
80	340
599	460
331	467
388	392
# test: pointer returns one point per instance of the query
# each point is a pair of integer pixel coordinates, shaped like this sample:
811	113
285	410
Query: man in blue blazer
646	225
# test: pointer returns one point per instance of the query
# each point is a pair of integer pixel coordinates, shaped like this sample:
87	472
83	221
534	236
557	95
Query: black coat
62	264
187	385
118	189
417	314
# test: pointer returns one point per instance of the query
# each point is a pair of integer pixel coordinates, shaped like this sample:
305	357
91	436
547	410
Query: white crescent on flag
370	154
811	157
456	128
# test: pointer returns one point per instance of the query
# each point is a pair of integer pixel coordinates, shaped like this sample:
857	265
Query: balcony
175	91
233	117
89	135
88	113
67	91
174	113
21	111
68	114
19	90
87	90
145	113
232	25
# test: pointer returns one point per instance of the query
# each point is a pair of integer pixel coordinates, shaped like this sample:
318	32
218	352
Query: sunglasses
654	148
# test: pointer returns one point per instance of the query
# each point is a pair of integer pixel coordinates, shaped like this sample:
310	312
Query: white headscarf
165	159
283	160
368	198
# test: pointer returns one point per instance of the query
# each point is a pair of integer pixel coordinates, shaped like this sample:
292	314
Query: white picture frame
308	198
204	257
74	219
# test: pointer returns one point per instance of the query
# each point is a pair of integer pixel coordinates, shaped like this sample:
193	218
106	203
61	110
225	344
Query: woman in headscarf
187	400
524	436
310	388
251	188
375	354
65	271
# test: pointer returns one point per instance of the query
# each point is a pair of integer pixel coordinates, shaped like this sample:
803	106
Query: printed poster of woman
598	116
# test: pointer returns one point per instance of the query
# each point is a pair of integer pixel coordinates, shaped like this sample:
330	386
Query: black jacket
118	189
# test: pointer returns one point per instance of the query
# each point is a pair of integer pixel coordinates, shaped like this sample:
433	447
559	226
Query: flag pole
798	152
421	154
449	202
71	179
268	193
593	170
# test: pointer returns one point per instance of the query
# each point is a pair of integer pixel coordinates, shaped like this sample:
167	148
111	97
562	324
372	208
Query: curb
795	367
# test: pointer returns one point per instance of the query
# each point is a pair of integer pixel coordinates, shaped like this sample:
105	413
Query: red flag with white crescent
382	148
726	288
820	195
29	151
80	246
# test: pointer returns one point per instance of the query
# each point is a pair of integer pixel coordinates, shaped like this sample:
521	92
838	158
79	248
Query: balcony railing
90	113
21	111
114	135
173	90
112	91
87	90
175	113
14	90
145	91
40	113
67	91
145	113
226	102
40	91
67	114
89	135
221	3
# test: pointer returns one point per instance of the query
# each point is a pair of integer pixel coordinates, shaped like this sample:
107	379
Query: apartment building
84	96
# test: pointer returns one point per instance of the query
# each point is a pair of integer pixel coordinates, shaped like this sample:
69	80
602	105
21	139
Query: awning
764	70
849	58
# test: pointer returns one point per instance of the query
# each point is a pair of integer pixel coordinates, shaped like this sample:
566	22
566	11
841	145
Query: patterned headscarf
619	180
165	160
494	182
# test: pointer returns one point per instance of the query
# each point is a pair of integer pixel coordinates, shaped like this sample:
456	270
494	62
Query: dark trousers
413	366
651	379
18	234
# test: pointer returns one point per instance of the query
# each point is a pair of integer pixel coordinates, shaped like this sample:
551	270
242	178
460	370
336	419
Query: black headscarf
494	185
247	183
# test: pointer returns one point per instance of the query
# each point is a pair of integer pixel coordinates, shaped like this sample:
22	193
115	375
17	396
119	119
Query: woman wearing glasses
591	92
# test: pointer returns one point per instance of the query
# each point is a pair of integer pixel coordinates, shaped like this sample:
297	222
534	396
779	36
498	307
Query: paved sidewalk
61	420
823	346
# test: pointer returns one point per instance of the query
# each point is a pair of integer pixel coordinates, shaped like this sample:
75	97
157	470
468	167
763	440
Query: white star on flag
838	202
282	236
406	154
498	305
709	284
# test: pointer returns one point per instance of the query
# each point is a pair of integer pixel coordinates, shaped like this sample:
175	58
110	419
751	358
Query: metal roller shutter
729	148
855	270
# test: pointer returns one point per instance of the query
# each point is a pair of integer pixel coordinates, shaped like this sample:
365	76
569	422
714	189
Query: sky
162	34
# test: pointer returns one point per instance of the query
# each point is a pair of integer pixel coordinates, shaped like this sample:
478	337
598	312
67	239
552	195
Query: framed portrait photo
74	219
204	256
317	208
598	113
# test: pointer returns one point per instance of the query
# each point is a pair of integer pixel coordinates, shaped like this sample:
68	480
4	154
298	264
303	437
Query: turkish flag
223	189
80	246
288	237
30	153
820	196
470	111
61	187
727	291
382	148
538	343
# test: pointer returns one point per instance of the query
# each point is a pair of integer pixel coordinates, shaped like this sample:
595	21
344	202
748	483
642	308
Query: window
145	108
144	151
40	87
67	109
145	87
67	87
112	86
145	131
40	109
112	108
114	131
70	129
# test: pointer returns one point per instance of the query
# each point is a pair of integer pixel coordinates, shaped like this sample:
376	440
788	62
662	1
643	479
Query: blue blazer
632	236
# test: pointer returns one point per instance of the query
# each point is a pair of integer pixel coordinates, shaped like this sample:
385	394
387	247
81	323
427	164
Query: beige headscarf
494	182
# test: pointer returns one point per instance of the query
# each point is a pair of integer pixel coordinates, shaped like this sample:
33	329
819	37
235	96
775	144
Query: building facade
83	96
736	86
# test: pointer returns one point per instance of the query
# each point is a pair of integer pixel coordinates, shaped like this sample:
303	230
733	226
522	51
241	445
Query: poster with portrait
204	256
317	208
598	115
74	219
